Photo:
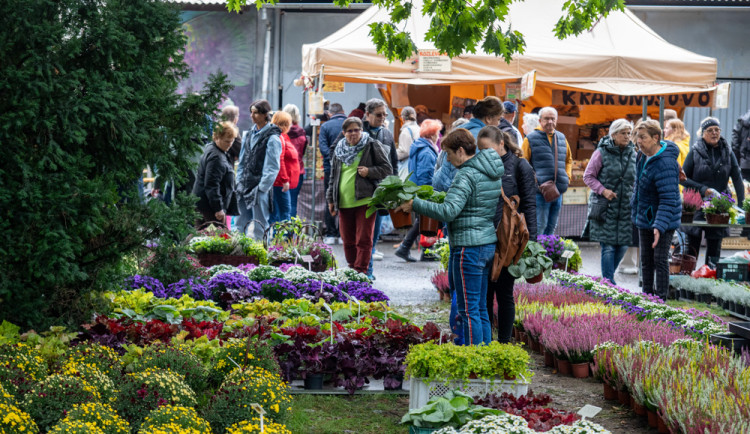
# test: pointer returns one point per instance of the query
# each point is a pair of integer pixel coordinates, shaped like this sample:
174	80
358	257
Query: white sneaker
329	240
341	241
377	256
629	271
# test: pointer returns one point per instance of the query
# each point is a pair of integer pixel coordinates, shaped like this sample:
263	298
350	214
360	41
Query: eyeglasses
380	115
713	130
352	131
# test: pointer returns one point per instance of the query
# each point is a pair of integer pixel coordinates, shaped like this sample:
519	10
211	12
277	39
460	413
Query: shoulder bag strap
555	152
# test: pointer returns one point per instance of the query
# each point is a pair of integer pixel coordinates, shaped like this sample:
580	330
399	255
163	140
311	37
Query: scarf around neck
348	153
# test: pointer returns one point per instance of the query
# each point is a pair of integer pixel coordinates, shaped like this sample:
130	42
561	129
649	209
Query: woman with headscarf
358	164
610	175
708	167
214	182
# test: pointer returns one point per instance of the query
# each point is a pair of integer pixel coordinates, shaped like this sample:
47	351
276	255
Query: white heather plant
510	424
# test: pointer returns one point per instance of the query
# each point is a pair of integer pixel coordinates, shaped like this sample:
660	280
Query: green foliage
48	400
88	99
142	392
245	353
95	378
391	193
448	362
452	409
458	27
178	359
20	368
533	262
141	305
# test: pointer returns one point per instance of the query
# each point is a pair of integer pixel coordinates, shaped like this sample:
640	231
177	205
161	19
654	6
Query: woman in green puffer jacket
469	209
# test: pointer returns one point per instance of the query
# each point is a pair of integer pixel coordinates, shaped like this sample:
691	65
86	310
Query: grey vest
617	174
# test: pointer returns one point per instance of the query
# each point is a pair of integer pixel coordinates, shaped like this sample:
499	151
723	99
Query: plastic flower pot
421	430
533	344
610	394
400	219
555	365
549	358
639	409
624	397
653	419
397	387
687	217
661	426
564	368
580	370
524	338
428	226
704	298
717	219
314	382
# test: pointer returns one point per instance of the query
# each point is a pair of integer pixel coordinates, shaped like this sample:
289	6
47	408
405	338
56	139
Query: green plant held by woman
533	262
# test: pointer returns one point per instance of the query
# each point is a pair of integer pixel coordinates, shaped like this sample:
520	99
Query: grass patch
379	414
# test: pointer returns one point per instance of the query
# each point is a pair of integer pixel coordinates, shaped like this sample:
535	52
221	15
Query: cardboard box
576	196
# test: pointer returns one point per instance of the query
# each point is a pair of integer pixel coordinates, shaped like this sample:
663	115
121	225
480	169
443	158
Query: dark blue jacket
656	197
328	134
422	159
543	160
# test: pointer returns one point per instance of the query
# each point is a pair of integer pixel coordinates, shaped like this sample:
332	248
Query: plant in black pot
533	263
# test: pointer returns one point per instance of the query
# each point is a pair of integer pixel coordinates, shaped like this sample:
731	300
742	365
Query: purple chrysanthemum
148	283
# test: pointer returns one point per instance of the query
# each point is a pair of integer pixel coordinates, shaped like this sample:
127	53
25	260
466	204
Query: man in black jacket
741	144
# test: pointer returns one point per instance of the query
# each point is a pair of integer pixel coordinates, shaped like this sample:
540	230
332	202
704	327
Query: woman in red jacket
296	135
288	171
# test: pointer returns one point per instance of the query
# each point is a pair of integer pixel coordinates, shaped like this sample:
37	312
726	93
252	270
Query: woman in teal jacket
469	210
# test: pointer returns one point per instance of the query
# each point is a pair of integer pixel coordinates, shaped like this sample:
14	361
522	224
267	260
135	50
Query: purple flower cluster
230	288
278	289
285	267
363	291
554	245
315	289
245	268
194	288
146	282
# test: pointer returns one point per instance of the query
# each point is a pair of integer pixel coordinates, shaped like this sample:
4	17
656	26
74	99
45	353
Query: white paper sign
568	254
307	258
433	61
589	411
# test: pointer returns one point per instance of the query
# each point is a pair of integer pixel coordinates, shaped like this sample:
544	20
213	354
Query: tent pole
661	112
645	109
314	166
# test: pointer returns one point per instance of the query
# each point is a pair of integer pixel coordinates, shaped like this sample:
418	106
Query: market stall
621	68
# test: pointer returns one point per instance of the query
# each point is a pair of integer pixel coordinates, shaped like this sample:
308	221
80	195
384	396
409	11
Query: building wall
719	32
234	44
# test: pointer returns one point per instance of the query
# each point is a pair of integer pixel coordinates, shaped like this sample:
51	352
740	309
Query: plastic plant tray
740	328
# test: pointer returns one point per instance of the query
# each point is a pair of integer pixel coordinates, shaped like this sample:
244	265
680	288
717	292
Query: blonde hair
225	130
651	126
678	130
282	120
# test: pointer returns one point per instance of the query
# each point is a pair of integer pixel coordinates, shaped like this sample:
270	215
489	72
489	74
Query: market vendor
708	167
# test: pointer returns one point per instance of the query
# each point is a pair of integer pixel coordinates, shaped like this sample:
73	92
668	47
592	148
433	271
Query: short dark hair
496	135
460	138
349	121
261	106
337	108
469	109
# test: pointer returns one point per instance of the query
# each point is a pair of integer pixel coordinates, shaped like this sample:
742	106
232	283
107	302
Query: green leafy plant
95	378
455	408
178	359
533	262
391	193
246	353
718	204
445	363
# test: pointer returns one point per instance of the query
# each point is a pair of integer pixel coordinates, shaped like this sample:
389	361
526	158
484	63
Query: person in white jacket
409	133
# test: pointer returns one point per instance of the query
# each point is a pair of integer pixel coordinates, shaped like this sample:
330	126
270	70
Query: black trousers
713	247
655	261
413	233
329	220
502	291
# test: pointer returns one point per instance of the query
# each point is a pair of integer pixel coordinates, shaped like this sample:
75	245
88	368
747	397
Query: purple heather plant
146	282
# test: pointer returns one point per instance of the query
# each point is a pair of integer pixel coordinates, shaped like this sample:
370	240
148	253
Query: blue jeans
294	193
281	205
245	217
546	214
471	267
455	319
375	238
611	257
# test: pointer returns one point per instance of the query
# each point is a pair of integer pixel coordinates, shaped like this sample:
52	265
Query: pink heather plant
550	293
691	200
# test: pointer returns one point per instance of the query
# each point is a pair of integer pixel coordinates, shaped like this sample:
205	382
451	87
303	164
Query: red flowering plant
531	407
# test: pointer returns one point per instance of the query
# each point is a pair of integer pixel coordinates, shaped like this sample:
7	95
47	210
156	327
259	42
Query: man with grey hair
549	154
231	113
375	114
409	133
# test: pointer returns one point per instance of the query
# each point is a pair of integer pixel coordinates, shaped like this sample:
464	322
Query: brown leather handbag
549	188
512	236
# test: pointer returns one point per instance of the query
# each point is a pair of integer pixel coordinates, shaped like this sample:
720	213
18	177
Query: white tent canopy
621	55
